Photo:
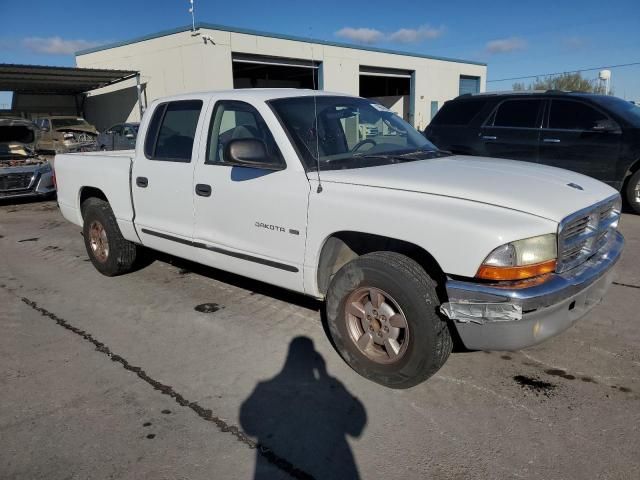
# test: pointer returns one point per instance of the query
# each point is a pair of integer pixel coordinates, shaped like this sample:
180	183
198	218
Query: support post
139	90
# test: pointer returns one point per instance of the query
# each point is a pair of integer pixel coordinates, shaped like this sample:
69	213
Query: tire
100	228
424	344
633	192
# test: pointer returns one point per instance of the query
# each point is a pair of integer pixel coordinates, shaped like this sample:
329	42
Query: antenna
315	117
193	17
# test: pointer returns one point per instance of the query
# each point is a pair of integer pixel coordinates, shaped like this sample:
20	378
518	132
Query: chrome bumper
518	315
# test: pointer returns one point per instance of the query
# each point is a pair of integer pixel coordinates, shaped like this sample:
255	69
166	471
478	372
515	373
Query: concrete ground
125	378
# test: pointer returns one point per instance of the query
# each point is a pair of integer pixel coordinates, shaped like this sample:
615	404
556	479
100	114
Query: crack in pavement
628	285
204	413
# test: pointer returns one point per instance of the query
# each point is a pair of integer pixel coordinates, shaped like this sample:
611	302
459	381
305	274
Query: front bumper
521	314
41	185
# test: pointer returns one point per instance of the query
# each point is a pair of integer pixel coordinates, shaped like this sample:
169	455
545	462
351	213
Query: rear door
162	176
250	221
582	138
513	130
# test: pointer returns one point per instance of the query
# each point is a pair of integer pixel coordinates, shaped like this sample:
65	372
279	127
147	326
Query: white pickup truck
409	246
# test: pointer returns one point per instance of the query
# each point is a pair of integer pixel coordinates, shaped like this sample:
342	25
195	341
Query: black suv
596	135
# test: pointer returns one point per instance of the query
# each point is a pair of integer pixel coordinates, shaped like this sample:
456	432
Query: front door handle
489	137
142	182
551	140
203	190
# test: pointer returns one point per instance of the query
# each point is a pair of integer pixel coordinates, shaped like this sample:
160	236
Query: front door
250	221
163	175
513	129
581	138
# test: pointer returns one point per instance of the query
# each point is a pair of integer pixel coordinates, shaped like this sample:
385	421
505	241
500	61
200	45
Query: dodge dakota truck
408	246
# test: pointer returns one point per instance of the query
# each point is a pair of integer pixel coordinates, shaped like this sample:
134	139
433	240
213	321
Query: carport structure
47	89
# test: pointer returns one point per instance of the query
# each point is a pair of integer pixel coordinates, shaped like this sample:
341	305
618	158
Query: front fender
457	233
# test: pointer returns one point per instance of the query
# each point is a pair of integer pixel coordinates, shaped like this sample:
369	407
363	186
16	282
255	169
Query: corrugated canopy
57	80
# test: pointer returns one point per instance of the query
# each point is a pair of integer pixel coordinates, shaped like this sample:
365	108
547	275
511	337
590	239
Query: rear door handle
489	137
142	182
551	140
203	190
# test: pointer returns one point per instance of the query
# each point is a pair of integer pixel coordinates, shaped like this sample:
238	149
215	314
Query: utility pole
193	17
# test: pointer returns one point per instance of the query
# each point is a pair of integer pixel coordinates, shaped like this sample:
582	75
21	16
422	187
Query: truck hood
547	192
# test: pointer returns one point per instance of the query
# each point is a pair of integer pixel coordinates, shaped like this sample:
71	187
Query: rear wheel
382	314
108	250
633	192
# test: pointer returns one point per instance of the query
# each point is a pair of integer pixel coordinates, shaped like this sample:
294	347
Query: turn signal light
490	272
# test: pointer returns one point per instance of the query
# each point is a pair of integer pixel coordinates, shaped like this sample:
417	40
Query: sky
514	38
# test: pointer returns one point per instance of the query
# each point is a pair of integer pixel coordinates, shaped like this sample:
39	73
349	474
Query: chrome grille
583	233
15	181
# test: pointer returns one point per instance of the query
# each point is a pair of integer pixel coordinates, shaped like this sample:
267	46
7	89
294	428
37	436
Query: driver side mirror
251	153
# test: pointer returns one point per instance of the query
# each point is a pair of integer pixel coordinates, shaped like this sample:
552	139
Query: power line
562	73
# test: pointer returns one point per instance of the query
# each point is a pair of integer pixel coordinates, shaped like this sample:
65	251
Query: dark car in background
119	137
596	135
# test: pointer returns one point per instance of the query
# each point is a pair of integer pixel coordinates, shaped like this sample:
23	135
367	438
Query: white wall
183	62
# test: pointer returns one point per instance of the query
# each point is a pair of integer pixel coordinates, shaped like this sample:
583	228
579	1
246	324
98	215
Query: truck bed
108	172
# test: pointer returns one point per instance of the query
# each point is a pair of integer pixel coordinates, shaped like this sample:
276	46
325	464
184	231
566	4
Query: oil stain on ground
535	385
208	307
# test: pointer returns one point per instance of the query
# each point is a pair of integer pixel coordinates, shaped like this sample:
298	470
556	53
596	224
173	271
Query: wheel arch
341	247
633	168
88	192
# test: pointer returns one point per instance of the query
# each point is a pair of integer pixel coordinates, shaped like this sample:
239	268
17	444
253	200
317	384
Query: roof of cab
260	94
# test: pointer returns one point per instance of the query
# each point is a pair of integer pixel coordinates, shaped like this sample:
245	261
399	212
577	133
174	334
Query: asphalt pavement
179	371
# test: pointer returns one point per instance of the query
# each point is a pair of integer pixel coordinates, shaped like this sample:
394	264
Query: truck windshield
349	132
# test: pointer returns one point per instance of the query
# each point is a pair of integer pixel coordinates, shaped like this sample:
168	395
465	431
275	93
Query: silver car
22	172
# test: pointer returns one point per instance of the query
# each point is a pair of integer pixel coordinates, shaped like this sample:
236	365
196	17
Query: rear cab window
172	130
458	112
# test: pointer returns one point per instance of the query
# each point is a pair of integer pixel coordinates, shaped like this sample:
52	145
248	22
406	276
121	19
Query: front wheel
633	192
382	314
108	250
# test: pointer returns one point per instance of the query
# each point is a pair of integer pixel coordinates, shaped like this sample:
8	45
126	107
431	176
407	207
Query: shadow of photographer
304	415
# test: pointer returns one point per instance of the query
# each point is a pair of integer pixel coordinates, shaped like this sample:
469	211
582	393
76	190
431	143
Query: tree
574	82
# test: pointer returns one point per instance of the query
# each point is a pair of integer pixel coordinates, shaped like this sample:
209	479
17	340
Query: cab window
518	114
172	130
235	120
568	115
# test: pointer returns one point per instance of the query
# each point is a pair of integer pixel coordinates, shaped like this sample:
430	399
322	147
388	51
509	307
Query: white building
216	57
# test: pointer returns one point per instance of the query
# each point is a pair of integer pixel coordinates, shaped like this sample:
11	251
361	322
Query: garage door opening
253	71
392	88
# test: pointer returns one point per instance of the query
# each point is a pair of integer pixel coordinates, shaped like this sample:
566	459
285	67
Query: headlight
521	259
67	135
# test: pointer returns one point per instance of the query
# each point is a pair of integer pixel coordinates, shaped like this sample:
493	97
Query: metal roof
57	80
258	33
